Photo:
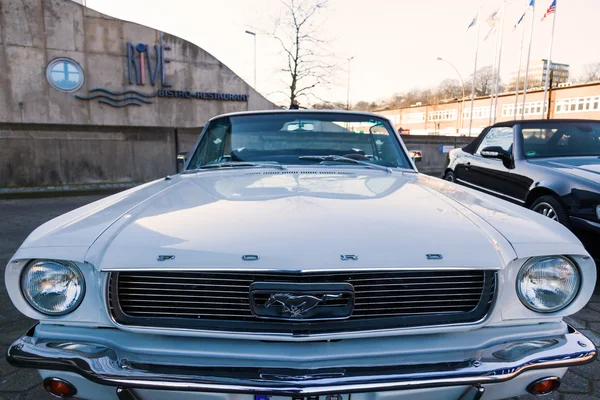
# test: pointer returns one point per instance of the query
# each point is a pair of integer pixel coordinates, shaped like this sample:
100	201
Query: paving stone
596	385
576	323
15	329
5	368
589	371
595	326
594	306
35	393
588	315
593	336
21	380
578	397
573	383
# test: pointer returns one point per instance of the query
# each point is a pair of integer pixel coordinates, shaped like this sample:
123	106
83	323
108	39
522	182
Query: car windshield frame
403	160
560	126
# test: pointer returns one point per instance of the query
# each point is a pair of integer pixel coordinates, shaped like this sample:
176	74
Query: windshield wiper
334	158
238	164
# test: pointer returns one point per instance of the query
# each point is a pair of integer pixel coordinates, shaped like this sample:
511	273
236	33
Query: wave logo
118	99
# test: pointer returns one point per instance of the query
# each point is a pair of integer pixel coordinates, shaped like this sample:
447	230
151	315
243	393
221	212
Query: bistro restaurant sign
146	65
186	94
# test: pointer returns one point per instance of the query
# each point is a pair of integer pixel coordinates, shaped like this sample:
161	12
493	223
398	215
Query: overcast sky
394	43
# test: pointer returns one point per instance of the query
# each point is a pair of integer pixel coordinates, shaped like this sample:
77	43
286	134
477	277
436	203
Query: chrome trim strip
489	191
342	268
102	365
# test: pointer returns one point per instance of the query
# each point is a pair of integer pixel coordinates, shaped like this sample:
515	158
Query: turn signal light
59	388
543	386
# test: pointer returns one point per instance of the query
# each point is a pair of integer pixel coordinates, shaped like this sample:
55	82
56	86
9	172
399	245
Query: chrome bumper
494	364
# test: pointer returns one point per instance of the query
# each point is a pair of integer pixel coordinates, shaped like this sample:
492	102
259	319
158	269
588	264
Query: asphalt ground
18	217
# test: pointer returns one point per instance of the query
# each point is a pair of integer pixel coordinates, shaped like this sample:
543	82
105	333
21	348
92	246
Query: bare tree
484	81
361	106
591	72
297	30
325	105
449	89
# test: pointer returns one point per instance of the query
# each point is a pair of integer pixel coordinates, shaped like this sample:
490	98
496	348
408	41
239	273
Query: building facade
537	74
580	101
85	97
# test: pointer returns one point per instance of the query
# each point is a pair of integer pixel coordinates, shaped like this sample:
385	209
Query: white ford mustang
300	255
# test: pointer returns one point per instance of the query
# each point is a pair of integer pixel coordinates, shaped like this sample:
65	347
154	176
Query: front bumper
496	363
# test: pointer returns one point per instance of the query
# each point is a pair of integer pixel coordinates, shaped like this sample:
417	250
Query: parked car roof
530	121
263	112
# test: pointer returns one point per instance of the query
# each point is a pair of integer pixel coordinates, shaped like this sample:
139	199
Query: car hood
298	220
583	167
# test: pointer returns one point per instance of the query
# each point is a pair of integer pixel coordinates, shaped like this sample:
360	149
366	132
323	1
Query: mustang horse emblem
298	305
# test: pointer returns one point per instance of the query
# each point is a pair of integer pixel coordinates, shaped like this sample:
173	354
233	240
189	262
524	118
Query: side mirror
416	155
498	153
181	159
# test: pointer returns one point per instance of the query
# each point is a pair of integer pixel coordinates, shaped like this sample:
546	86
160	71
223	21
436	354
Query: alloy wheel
546	210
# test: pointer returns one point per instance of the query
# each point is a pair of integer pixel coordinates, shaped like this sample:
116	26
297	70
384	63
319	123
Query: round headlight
548	284
52	287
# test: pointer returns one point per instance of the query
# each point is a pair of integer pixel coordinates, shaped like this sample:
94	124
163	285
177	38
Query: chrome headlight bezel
531	263
69	268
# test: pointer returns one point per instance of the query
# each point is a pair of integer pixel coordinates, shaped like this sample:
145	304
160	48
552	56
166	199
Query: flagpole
547	80
519	73
475	71
528	58
499	62
493	75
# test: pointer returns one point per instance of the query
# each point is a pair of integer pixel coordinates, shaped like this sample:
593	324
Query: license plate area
321	397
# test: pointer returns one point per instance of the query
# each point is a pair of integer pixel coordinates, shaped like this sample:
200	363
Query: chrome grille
219	299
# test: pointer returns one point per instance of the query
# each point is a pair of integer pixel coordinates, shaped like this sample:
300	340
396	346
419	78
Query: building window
442	115
478	113
577	104
64	74
413	117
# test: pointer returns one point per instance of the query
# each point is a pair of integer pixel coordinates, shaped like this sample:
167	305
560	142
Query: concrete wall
49	155
34	32
434	158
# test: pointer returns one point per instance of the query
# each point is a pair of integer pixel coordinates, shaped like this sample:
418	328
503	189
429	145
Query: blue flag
531	3
472	24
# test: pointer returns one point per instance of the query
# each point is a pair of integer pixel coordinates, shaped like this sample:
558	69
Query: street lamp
254	34
348	87
463	90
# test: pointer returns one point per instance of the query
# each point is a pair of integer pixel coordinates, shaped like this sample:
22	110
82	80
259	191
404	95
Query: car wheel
450	177
550	207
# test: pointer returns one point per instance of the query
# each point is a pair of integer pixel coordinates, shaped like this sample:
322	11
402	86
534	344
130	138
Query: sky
394	43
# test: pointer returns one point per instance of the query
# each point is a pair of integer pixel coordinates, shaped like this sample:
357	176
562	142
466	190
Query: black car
549	166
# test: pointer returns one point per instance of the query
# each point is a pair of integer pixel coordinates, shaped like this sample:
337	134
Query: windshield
302	138
561	139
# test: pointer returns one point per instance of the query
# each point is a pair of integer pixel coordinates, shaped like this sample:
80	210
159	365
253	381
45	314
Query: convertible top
530	121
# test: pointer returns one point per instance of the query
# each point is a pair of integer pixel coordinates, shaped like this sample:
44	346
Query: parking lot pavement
19	217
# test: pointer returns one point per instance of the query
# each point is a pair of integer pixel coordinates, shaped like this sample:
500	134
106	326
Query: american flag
550	10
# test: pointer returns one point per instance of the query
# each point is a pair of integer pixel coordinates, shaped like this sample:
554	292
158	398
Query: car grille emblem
299	305
301	302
